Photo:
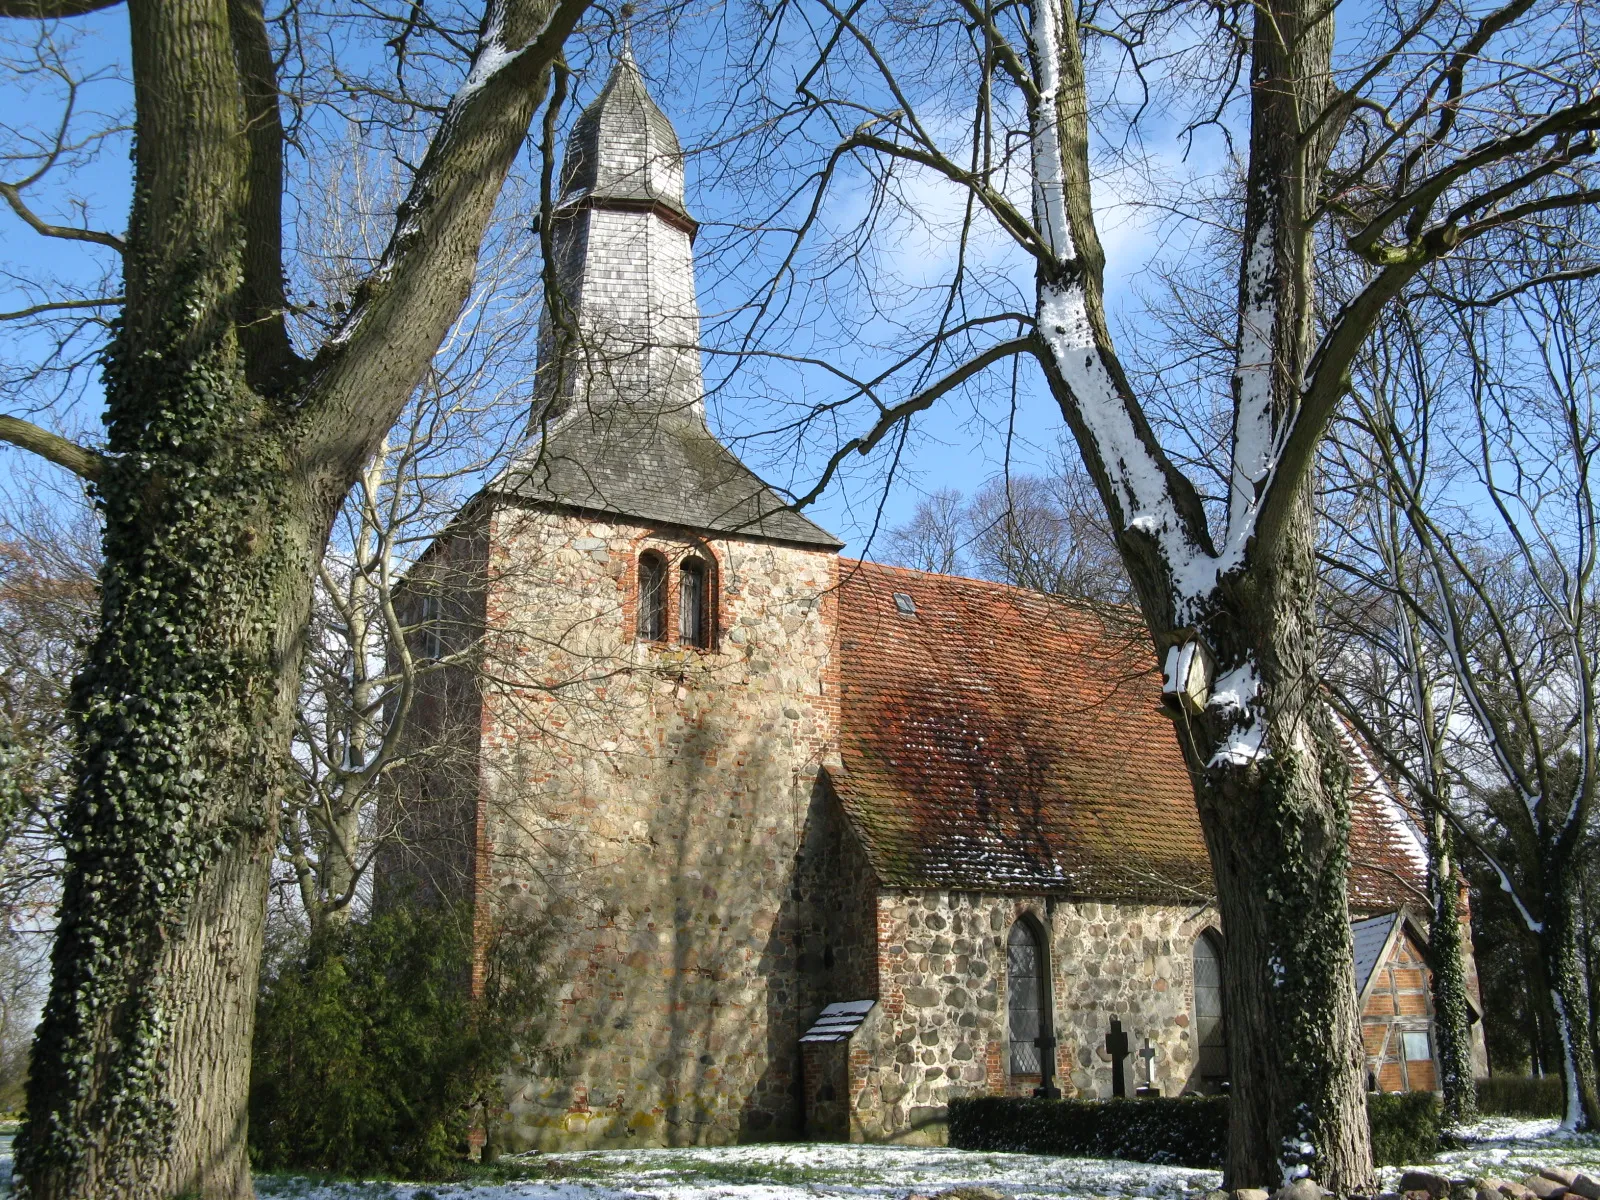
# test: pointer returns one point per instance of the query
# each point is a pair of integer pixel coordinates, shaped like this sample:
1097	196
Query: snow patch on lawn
1496	1129
787	1172
1510	1148
1502	1146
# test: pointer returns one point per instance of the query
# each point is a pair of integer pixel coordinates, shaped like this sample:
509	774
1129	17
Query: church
825	843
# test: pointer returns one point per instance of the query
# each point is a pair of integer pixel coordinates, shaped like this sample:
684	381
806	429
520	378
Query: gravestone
1148	1087
1117	1047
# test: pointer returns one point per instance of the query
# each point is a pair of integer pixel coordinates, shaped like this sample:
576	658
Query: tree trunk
183	709
1592	954
227	458
1452	1019
1277	828
1569	1003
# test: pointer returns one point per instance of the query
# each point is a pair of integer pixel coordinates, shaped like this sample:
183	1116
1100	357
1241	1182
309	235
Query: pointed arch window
694	603
652	597
1211	1030
1024	996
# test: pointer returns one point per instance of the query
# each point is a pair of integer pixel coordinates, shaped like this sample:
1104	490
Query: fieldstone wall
838	897
654	798
940	1029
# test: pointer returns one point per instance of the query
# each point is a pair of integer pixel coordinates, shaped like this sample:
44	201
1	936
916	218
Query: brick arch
677	546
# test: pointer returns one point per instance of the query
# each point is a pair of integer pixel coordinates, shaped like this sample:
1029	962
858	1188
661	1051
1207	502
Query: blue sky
964	441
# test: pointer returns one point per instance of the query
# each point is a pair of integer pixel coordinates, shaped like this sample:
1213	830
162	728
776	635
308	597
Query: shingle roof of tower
623	147
1003	740
656	466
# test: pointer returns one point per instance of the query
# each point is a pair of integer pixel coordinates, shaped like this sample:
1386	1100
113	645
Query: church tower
623	326
657	700
618	409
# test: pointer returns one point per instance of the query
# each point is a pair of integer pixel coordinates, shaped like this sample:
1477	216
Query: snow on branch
1256	449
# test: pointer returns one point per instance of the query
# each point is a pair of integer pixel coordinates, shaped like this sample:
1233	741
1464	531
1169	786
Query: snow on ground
1511	1147
788	1172
816	1171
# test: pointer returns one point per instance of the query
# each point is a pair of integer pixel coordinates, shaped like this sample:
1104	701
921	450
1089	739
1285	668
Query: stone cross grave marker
1149	1056
1117	1047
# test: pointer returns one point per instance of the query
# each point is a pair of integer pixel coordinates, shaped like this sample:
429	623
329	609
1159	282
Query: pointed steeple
623	148
624	325
618	404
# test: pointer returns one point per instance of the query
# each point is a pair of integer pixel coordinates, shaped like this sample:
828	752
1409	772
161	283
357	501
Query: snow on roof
1388	860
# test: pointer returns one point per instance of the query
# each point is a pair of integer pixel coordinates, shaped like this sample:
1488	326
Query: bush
371	1055
1405	1127
1189	1131
1521	1096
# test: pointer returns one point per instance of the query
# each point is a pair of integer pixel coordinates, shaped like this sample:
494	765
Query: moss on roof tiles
1002	740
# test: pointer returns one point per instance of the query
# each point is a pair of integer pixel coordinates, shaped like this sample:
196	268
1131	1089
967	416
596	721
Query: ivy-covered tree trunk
1269	774
227	457
1277	827
1568	1003
183	707
1452	1009
183	712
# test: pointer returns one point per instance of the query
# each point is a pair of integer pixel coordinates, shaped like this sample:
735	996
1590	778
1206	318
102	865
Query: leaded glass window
652	597
1211	1031
693	625
1024	965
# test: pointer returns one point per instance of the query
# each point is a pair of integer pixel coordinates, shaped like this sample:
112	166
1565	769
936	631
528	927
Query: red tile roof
1002	740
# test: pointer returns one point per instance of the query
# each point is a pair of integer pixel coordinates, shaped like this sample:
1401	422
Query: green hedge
1521	1096
1189	1131
1405	1128
372	1056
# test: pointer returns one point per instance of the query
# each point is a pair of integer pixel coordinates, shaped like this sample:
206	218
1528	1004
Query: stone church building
826	843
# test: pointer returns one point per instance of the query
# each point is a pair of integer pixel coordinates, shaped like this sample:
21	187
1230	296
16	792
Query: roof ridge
995	584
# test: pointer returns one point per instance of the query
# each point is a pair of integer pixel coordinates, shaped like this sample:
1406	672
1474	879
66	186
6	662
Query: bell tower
646	741
623	326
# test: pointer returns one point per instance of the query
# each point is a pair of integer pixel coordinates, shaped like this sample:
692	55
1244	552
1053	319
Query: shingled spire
618	406
624	323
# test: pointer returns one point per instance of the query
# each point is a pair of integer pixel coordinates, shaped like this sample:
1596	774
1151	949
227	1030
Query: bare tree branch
69	233
52	447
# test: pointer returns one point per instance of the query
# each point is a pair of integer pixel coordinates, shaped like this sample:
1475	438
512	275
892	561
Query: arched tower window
694	603
1211	1031
652	597
1024	996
